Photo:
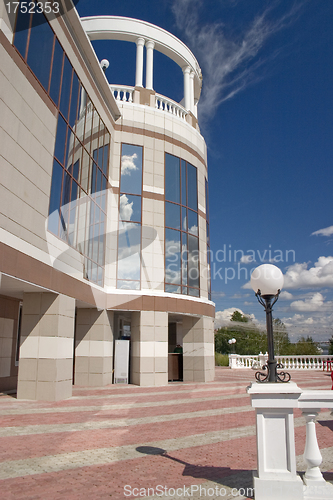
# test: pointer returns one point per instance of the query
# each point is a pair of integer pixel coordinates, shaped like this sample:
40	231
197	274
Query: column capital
150	44
140	42
186	69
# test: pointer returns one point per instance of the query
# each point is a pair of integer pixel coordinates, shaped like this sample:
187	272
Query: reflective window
172	215
172	178
40	49
192	189
21	32
129	247
192	222
129	238
181	227
58	56
55	196
60	143
66	87
172	257
131	169
130	208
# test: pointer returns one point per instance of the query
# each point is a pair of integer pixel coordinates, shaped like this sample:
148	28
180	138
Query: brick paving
198	439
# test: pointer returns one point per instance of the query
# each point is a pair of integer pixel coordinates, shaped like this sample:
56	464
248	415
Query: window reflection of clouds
131	169
130	208
129	241
181	268
129	247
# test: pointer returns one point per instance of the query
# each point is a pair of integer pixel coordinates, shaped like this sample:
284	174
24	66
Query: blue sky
266	115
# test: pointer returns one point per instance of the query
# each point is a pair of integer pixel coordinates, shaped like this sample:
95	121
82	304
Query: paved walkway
133	442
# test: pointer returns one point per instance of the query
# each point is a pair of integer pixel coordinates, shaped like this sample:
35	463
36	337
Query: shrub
221	359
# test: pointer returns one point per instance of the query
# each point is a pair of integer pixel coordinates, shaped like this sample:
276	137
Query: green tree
249	339
330	347
281	338
239	317
304	346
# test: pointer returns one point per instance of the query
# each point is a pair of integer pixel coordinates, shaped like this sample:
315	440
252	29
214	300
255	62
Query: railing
168	105
320	362
122	93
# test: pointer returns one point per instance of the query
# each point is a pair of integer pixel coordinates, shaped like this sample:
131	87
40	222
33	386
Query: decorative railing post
310	402
312	455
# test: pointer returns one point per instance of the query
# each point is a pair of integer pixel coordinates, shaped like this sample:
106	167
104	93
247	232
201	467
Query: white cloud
126	208
222	318
314	303
128	164
284	295
326	231
246	259
228	61
321	274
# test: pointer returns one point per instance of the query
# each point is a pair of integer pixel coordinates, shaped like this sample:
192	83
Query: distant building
103	206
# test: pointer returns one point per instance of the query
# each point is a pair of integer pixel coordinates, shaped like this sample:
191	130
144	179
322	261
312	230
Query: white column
149	64
192	91
187	91
139	62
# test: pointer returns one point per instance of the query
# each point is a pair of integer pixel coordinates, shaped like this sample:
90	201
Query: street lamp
232	341
266	282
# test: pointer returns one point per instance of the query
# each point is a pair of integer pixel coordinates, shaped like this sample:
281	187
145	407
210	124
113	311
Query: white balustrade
289	362
168	105
276	476
122	93
238	361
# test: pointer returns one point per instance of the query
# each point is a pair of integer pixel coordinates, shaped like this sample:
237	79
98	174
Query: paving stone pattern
180	441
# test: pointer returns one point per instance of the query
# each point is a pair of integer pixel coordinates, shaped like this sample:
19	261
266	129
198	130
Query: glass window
172	215
129	246
106	153
66	87
130	208
184	219
55	195
58	57
192	222
40	49
184	260
73	115
128	285
172	256
192	195
60	142
21	32
184	197
172	178
193	261
131	169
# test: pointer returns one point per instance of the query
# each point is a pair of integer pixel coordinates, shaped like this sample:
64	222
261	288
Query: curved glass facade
77	210
182	273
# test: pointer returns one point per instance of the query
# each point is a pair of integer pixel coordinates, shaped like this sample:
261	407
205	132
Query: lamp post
267	282
232	342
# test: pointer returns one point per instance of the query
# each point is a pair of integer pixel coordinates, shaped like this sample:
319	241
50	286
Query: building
103	206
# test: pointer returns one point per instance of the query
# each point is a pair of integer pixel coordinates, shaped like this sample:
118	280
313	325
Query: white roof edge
129	29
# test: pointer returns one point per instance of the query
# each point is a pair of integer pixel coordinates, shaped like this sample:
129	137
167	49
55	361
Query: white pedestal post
276	478
316	488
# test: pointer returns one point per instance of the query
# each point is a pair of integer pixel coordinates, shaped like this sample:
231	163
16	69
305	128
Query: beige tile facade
149	344
93	347
46	347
